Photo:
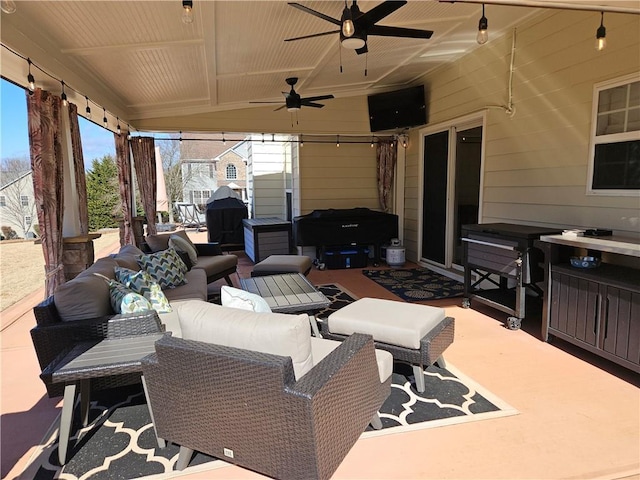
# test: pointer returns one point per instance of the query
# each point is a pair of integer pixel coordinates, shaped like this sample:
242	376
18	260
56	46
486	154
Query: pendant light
601	34
483	25
30	80
187	11
63	96
88	109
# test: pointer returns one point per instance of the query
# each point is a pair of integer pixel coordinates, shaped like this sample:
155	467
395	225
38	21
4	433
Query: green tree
103	198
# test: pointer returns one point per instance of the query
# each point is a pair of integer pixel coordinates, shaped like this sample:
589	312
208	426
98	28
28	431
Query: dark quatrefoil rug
119	442
416	284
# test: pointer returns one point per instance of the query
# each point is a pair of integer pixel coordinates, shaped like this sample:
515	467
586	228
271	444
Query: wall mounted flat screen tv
398	109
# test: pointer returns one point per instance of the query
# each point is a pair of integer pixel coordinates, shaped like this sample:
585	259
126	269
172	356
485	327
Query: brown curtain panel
45	119
123	161
387	156
144	160
78	162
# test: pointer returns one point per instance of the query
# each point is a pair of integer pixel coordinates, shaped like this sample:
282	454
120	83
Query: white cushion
321	347
236	298
396	323
275	333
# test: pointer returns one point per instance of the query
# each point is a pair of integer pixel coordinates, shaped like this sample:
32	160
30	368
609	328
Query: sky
14	135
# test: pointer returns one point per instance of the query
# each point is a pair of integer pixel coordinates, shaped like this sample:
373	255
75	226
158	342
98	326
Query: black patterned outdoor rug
339	297
416	284
119	442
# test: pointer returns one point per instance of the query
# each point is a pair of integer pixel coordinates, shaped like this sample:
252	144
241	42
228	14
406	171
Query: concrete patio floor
579	414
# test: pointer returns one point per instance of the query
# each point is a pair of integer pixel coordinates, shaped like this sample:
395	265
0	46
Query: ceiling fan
355	25
293	100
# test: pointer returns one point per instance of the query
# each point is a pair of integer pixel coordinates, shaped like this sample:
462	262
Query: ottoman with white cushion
412	333
277	264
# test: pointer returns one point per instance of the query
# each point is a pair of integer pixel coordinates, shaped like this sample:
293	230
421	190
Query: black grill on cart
503	257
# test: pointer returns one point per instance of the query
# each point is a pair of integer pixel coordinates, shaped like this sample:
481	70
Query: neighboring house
17	205
208	163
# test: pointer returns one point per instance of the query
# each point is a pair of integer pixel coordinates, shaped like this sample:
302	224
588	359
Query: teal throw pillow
142	283
124	300
165	267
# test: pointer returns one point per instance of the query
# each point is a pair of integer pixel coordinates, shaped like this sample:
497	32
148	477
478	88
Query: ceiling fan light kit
356	26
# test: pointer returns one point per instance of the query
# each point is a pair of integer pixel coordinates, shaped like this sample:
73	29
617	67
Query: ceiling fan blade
362	50
264	102
399	32
379	12
311	104
317	14
280	108
311	36
320	97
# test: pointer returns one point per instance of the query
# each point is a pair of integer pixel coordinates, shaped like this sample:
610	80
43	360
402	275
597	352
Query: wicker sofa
262	393
81	310
209	255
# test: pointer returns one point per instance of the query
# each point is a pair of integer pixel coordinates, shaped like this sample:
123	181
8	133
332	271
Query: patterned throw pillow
165	268
181	245
142	283
124	300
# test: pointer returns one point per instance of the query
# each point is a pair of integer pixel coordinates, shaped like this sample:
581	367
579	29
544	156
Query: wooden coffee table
288	293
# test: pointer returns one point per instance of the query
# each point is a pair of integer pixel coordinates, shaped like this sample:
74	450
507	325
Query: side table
88	360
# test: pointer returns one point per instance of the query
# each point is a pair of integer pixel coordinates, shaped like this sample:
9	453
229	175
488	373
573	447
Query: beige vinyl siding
338	177
536	162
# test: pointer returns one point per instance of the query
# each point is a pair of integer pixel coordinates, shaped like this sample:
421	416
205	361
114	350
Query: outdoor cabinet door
621	323
575	307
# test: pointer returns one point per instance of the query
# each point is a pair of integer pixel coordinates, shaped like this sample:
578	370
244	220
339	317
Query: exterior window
200	197
232	172
212	171
615	143
3	201
24	200
27	220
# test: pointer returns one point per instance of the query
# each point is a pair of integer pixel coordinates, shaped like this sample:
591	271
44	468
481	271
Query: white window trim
609	138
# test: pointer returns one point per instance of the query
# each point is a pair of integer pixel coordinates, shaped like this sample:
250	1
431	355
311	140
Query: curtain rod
552	5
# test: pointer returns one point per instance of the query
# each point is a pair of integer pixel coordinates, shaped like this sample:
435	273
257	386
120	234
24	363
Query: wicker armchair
52	339
246	407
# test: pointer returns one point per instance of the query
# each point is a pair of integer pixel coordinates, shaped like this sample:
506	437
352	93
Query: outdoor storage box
266	236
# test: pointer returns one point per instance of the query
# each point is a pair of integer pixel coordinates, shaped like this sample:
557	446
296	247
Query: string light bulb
601	34
348	28
104	118
371	142
483	25
301	141
404	142
337	140
224	141
63	96
88	109
30	80
187	12
180	136
118	129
